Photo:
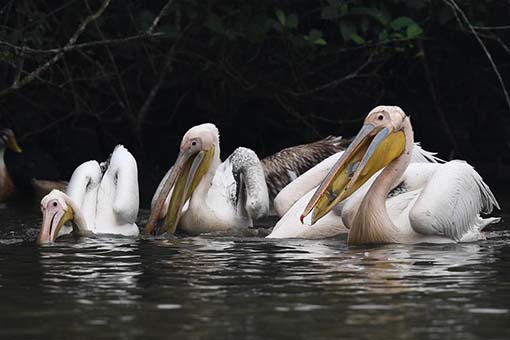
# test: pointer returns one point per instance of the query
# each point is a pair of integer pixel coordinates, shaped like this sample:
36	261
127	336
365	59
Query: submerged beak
13	144
373	148
188	170
53	221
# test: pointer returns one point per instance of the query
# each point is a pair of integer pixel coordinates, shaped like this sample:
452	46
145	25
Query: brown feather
280	167
43	187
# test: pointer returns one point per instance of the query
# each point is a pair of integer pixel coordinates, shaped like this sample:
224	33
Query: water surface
248	287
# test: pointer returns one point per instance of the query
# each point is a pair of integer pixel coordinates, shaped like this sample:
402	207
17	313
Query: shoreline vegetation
77	78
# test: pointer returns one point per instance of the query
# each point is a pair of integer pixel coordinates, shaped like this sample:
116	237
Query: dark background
269	74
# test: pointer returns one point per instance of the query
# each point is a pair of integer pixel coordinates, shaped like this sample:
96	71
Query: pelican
292	200
100	199
200	194
436	203
7	141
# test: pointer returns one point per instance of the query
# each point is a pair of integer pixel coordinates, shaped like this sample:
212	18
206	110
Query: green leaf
281	16
414	31
347	28
320	41
314	34
344	10
372	12
292	21
357	39
315	37
402	22
383	35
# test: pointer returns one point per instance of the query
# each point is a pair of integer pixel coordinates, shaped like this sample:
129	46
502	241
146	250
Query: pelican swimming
292	200
200	194
435	203
100	199
7	141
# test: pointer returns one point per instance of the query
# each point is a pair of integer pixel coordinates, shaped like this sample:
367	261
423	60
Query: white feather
451	202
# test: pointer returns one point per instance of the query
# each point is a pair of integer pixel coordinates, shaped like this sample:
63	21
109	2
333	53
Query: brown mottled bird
288	164
7	141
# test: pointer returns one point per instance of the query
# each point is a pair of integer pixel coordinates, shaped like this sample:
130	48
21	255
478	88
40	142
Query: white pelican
7	140
292	200
200	194
100	199
437	203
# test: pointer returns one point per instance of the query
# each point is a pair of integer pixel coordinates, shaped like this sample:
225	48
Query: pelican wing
126	197
286	165
451	202
84	179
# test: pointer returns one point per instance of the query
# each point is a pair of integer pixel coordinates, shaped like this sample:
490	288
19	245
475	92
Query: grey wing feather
286	165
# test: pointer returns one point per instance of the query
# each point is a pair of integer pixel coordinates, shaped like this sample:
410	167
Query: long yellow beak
188	170
372	149
13	144
53	221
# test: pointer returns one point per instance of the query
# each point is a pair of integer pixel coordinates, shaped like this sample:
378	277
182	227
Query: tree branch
16	85
456	9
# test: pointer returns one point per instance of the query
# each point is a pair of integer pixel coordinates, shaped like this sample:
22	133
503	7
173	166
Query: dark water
249	288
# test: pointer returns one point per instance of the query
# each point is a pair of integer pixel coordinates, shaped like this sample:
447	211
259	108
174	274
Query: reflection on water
92	268
250	288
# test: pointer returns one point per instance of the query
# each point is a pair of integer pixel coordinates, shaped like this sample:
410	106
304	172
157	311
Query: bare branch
162	13
458	10
28	50
335	82
34	74
491	28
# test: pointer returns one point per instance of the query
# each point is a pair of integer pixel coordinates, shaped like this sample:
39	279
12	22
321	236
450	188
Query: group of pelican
382	188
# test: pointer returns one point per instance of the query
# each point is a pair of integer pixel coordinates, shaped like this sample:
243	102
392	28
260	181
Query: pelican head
197	150
56	212
8	138
380	141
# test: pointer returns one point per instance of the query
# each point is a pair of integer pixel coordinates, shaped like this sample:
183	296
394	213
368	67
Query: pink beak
52	215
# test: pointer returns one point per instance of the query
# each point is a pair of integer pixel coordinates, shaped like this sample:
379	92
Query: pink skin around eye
52	214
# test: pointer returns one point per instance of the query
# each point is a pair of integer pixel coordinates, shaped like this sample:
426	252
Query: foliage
298	69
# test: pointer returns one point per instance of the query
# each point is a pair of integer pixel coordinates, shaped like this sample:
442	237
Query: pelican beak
373	148
188	170
53	221
13	144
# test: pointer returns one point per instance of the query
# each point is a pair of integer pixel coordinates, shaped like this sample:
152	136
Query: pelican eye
55	204
194	143
380	117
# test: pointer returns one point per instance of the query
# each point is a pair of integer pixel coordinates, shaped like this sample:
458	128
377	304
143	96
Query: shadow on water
250	288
